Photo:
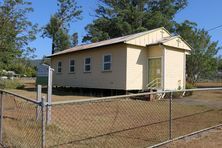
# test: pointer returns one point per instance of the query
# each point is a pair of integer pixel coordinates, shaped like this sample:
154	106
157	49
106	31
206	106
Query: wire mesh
136	121
126	122
20	127
196	111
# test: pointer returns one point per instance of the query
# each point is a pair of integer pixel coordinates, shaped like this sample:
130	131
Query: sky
206	13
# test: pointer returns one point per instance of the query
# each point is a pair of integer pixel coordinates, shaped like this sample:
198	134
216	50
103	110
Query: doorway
155	71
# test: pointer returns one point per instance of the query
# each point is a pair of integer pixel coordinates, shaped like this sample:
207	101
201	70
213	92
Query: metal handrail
153	83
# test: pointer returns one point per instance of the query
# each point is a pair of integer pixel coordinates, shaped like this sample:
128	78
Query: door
154	71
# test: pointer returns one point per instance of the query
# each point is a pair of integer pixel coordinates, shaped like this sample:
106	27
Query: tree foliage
57	28
16	31
202	61
75	40
220	63
119	18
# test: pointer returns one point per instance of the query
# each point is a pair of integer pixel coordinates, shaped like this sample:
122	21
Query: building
151	59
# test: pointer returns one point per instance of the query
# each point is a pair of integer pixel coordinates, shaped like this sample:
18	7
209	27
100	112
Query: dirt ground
211	138
30	92
209	84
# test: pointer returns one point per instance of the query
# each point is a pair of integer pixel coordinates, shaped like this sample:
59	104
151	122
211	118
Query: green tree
24	67
75	39
220	63
57	28
16	32
119	18
51	30
62	40
202	62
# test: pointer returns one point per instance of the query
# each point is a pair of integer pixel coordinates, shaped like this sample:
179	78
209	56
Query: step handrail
153	84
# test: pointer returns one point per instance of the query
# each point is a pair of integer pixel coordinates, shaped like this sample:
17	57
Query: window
87	65
59	67
72	66
107	62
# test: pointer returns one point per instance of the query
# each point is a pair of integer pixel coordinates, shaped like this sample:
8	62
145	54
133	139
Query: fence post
43	122
170	115
49	96
1	112
38	98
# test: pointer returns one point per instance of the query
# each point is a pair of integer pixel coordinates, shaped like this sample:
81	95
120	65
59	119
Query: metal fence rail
137	120
132	95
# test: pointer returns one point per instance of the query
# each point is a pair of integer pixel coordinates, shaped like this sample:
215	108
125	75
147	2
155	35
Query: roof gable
177	42
149	37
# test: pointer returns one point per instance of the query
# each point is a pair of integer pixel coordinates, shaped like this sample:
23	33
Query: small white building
153	58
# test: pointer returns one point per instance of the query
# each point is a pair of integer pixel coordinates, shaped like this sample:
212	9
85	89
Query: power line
214	28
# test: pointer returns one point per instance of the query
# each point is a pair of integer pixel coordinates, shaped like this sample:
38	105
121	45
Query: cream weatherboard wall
154	51
97	78
137	60
129	67
175	68
136	67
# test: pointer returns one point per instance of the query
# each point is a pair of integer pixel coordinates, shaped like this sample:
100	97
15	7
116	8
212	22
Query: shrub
20	86
177	94
189	86
11	84
2	84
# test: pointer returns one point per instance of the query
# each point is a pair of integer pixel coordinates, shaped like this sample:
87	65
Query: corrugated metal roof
105	42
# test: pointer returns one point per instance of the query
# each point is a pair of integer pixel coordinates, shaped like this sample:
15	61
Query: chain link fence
125	122
198	111
138	120
19	126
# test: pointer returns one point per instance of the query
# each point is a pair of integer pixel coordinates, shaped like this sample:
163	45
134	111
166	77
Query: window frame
109	62
72	65
90	64
59	67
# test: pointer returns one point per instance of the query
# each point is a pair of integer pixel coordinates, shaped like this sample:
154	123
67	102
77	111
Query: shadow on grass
69	91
